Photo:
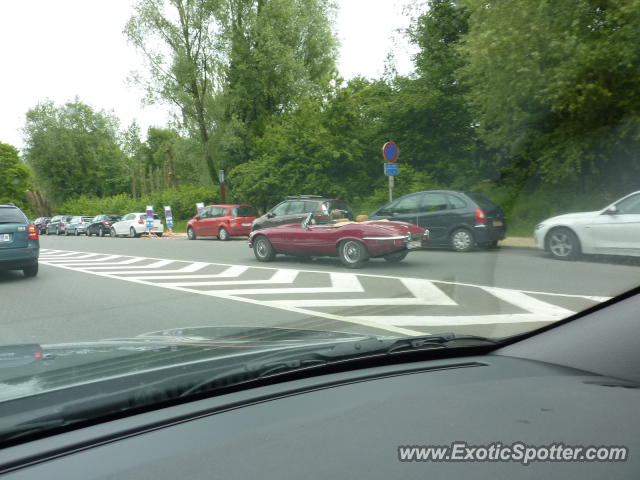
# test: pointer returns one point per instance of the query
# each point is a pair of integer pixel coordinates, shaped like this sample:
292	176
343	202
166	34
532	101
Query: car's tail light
33	232
480	217
140	221
105	223
37	355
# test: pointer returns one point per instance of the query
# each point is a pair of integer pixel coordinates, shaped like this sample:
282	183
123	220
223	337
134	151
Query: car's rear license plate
6	237
497	223
414	244
246	224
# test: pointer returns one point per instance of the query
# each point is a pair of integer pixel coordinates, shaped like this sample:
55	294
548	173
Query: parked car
460	220
57	224
222	221
77	225
135	224
614	230
296	208
19	241
353	242
101	224
41	224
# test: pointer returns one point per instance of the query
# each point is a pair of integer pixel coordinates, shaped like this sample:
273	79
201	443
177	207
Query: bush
182	201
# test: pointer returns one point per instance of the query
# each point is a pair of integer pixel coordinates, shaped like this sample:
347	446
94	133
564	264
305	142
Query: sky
61	49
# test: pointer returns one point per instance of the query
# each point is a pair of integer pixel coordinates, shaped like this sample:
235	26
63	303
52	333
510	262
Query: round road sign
390	152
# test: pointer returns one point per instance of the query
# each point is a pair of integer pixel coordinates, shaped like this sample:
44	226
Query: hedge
182	201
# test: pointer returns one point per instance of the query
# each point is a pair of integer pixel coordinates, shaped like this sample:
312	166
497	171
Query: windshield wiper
292	360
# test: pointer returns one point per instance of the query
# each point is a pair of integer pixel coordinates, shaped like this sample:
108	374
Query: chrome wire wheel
353	254
262	249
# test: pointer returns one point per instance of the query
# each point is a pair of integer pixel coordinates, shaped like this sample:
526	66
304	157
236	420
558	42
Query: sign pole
221	181
390	153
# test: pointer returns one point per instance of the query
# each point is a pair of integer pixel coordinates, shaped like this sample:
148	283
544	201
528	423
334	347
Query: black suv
461	220
296	208
19	241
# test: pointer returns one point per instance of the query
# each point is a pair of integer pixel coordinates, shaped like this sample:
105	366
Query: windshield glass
415	168
243	212
11	215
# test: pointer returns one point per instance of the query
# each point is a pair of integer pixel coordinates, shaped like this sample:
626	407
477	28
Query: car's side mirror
271	215
198	217
612	210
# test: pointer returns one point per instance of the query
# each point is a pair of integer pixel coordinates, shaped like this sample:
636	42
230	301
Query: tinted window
629	205
12	215
144	217
407	205
296	207
482	201
434	202
112	218
456	202
243	212
280	209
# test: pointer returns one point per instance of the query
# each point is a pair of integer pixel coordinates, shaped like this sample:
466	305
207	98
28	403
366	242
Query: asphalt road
98	288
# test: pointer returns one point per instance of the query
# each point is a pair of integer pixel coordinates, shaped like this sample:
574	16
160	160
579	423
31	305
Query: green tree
74	150
279	51
428	115
182	46
14	177
555	88
228	65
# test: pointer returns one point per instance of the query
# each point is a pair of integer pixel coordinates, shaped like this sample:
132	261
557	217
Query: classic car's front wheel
396	256
353	254
262	249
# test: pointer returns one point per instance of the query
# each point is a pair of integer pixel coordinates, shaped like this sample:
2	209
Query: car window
456	202
217	212
407	205
296	207
11	215
244	211
482	201
310	207
433	202
629	205
280	209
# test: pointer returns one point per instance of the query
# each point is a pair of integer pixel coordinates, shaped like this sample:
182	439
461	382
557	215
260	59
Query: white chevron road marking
421	292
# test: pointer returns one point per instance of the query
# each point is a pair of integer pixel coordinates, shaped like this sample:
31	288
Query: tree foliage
14	177
555	88
74	150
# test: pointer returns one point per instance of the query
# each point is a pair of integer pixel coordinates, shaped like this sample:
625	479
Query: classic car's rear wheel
262	249
353	254
396	256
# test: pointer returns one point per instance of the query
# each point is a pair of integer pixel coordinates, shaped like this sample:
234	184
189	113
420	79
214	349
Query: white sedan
135	224
614	230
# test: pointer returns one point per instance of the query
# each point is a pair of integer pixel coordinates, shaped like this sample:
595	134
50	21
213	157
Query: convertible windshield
288	179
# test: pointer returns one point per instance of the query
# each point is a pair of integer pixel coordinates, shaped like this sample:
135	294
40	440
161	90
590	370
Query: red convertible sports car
353	242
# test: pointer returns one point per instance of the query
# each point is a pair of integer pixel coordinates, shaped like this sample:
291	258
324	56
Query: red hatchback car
222	221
